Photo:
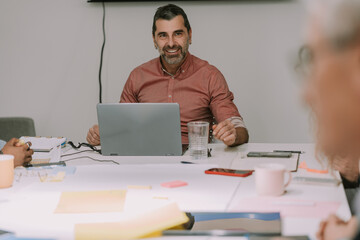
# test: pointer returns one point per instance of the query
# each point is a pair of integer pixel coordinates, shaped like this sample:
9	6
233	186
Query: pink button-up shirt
198	87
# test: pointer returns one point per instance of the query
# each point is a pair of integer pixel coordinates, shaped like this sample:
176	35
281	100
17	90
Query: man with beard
179	77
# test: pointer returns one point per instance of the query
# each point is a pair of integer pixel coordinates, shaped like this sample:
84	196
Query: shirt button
170	96
172	77
183	71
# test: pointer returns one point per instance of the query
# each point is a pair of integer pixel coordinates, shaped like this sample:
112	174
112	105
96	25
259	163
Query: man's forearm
242	136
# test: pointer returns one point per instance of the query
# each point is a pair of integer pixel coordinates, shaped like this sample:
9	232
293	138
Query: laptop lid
140	129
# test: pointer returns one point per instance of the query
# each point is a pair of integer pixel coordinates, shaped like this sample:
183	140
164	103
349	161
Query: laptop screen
140	129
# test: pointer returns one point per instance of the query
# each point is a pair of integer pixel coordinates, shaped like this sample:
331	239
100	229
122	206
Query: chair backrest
11	127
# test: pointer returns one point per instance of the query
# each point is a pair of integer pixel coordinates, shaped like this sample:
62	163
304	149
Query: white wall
49	58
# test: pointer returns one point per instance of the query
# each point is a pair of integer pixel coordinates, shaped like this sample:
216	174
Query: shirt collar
182	69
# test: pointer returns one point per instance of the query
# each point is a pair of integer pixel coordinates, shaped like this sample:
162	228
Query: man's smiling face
172	39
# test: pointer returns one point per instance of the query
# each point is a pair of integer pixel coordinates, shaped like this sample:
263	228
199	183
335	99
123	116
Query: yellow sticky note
138	187
91	202
59	177
148	224
161	197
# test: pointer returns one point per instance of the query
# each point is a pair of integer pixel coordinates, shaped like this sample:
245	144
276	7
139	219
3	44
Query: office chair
11	127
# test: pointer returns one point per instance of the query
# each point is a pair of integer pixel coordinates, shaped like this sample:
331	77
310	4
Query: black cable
70	154
84	145
102	53
93	149
96	160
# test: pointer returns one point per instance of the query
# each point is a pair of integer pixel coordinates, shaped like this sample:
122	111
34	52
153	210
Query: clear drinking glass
198	139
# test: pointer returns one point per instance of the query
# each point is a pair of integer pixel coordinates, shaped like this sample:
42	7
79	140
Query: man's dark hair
168	12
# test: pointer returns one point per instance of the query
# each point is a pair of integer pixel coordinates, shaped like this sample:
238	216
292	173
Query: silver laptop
139	129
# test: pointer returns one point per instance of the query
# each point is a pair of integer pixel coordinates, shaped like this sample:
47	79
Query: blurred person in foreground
331	61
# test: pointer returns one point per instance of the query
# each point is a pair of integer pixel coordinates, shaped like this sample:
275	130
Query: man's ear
190	36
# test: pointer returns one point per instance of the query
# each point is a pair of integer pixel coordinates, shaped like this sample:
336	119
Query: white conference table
28	207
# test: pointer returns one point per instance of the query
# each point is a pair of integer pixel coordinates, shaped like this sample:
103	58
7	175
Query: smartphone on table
229	172
270	154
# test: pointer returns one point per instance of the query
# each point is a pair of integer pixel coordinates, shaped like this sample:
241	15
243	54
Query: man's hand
93	136
231	136
21	152
335	228
226	132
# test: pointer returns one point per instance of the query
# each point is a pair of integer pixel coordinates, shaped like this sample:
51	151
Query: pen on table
186	162
289	151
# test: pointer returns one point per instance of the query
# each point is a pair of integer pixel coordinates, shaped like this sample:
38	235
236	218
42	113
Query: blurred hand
93	136
226	132
21	151
334	228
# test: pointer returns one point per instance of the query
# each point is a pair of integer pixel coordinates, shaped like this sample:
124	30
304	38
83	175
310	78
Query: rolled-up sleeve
221	100
237	122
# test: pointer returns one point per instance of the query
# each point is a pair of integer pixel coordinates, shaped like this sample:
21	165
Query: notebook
240	221
46	149
230	224
139	129
44	144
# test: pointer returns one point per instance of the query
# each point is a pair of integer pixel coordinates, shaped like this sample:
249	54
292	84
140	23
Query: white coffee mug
269	179
6	170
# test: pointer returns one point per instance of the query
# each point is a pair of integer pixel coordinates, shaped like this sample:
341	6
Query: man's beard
176	58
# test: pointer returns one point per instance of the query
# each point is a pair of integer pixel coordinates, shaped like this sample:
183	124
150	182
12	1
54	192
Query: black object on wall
188	0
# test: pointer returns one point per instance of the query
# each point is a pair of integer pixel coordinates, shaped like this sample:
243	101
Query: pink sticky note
174	184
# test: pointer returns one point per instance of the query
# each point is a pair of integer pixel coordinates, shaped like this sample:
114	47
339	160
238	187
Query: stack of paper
46	149
44	144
